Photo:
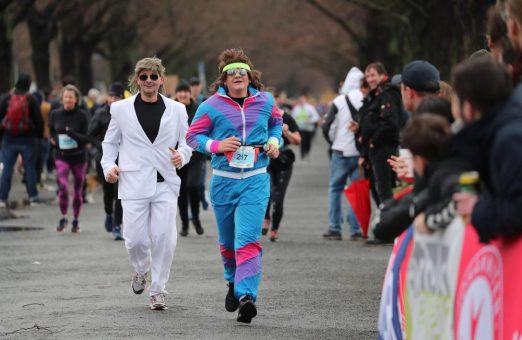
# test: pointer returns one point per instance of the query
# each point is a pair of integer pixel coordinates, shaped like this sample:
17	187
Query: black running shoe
199	228
184	229
62	225
231	303
247	309
75	226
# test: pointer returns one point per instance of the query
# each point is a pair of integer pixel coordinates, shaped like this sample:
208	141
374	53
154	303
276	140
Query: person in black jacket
280	170
190	174
97	129
20	137
68	132
493	135
438	168
378	130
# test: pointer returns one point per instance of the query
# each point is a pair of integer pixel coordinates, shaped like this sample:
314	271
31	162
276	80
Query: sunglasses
241	71
144	77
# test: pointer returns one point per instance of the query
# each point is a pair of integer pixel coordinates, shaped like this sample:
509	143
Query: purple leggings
62	177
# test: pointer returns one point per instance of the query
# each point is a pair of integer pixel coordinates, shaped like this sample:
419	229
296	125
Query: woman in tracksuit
241	127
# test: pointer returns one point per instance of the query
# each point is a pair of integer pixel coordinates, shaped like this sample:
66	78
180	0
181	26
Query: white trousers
149	230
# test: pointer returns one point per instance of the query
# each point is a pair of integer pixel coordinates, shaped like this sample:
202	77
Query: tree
11	13
42	29
397	31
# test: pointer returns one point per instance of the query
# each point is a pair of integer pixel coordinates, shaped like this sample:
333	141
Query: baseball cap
421	76
116	89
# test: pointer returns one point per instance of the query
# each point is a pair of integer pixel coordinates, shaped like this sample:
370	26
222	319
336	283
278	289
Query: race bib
243	158
66	143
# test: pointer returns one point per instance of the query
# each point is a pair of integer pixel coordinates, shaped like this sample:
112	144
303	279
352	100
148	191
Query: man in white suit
147	136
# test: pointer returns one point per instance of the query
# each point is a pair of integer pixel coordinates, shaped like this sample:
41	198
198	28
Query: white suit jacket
139	159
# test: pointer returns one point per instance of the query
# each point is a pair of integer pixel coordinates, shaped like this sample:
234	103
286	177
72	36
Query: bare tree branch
373	6
339	21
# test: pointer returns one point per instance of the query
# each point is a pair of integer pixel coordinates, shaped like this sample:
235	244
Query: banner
391	311
431	282
448	285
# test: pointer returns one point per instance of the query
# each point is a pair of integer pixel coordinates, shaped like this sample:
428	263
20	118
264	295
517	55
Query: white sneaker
157	302
3	205
138	283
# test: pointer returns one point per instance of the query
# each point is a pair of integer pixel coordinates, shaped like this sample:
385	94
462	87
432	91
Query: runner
241	127
143	132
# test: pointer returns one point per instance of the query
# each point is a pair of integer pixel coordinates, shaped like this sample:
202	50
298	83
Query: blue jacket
220	117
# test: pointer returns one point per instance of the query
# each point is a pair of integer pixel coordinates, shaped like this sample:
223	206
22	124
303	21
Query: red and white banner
456	287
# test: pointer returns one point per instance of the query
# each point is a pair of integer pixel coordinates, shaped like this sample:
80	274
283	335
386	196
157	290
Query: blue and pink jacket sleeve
275	125
198	132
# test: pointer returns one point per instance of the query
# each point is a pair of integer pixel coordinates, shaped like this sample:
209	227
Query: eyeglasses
241	71
144	77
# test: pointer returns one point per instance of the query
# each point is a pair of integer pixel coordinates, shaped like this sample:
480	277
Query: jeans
342	169
11	148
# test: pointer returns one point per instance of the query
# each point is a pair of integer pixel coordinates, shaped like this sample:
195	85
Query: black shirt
149	115
77	122
240	101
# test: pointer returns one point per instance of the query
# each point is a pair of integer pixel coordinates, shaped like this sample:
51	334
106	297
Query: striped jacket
220	117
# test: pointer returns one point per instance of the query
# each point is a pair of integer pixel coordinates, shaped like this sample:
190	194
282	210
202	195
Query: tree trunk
6	57
41	32
84	67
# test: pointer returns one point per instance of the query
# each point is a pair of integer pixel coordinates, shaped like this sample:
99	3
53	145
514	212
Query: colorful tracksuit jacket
239	196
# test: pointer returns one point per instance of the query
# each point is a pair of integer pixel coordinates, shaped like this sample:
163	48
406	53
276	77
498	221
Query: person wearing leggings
68	130
280	170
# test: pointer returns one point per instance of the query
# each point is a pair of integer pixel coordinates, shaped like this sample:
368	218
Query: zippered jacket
220	117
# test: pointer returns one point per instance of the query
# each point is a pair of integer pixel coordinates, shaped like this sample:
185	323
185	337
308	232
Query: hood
352	81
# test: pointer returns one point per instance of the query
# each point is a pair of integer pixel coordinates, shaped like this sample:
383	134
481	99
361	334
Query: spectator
418	80
380	122
344	161
493	124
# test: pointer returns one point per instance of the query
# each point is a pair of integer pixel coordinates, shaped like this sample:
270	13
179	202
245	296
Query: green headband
236	65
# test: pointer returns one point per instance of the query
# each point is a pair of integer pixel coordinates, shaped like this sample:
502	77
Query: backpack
330	124
16	121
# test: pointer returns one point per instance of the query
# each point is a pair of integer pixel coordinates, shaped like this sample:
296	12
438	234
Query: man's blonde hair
146	64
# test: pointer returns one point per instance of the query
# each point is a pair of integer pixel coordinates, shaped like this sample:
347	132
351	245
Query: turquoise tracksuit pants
239	206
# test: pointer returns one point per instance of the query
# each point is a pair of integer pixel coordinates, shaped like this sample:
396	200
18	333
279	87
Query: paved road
64	286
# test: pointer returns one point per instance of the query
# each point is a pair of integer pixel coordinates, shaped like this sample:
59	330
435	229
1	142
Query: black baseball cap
116	89
421	76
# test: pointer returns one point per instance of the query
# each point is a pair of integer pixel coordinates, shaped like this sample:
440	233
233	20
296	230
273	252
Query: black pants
190	176
279	180
382	171
306	142
111	203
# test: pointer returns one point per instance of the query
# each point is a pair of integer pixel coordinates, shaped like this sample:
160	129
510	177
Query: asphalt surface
77	286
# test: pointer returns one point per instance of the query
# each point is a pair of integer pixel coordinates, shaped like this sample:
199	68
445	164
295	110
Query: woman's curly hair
235	55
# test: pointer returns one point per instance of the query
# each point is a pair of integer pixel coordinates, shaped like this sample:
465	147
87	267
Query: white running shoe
138	283
157	302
